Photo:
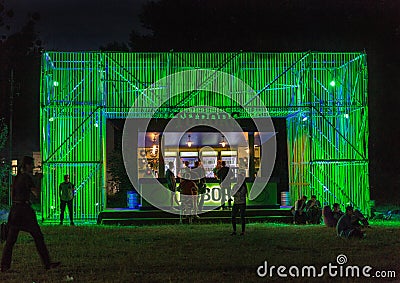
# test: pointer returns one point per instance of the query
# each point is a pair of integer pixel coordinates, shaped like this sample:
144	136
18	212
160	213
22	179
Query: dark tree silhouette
115	46
4	167
20	52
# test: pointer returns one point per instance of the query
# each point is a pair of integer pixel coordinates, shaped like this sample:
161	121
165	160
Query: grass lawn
200	253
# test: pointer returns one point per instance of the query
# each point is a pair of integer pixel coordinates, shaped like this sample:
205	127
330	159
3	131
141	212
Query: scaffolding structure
322	96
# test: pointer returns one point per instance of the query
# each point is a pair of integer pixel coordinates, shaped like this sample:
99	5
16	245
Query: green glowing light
327	157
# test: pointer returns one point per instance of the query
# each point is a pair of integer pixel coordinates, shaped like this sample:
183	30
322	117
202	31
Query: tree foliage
115	46
16	52
116	170
4	167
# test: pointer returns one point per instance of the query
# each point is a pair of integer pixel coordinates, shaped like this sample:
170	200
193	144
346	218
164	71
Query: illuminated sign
189	154
228	153
209	153
212	197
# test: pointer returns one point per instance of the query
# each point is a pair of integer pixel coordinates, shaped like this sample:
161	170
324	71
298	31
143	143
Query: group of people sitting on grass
348	224
307	212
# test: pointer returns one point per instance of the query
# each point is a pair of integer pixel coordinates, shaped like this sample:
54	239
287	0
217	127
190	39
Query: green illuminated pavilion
322	96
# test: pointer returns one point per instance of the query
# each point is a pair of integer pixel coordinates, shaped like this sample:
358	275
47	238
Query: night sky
76	25
268	26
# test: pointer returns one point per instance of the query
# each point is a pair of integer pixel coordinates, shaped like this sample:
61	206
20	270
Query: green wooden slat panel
328	151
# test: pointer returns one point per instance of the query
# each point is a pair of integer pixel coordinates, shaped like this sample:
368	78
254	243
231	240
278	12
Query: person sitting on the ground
331	217
337	213
313	209
346	228
300	216
327	215
359	220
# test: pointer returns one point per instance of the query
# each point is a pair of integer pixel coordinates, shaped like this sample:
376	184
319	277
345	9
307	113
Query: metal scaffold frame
322	96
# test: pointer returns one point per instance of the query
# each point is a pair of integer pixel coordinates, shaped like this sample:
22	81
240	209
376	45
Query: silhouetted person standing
337	213
67	190
23	218
200	174
171	182
239	204
224	177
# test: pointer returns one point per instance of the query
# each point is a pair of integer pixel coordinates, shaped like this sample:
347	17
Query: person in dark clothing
239	204
359	220
224	175
346	227
300	216
331	217
67	190
216	168
188	190
201	184
327	215
23	218
313	210
185	171
171	182
337	213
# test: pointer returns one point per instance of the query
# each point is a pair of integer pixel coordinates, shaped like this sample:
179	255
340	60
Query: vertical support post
161	164
310	127
252	169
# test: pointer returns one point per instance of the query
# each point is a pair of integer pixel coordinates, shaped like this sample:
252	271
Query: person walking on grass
239	202
67	190
23	218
